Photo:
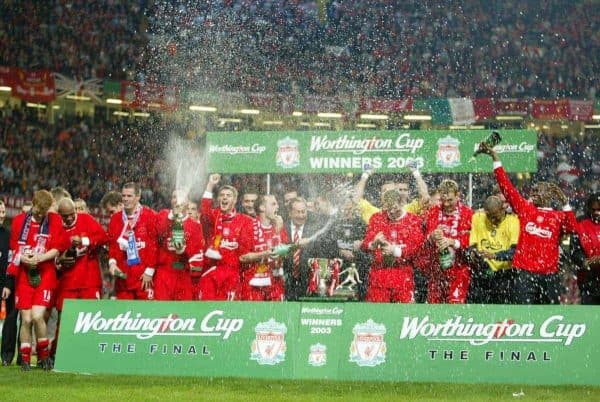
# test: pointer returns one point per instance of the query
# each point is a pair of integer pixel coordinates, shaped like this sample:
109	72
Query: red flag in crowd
6	79
581	110
33	86
149	96
484	108
518	107
385	105
550	109
261	100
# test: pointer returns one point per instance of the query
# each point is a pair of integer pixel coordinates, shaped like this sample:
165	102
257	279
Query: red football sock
42	349
26	353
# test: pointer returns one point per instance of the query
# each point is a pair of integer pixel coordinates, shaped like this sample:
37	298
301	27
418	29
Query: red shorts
27	297
86	294
135	294
196	289
219	283
278	289
449	286
261	293
391	285
273	292
171	284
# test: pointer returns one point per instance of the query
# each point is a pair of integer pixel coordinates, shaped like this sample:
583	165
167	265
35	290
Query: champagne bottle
33	275
177	238
120	274
177	235
71	252
284	249
446	258
388	261
68	259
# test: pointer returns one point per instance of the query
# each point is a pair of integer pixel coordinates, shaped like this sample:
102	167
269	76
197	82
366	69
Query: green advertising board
337	341
350	151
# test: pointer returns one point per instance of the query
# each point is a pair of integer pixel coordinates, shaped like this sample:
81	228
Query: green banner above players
349	151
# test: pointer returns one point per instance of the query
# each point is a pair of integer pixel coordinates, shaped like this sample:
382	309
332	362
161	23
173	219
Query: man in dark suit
300	227
9	329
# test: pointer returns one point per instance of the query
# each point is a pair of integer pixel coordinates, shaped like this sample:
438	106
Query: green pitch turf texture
37	385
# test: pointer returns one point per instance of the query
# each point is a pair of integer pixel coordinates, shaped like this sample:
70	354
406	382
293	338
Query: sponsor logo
322	310
237	149
531	228
213	324
553	329
288	153
317	355
368	347
357	146
229	245
448	154
269	345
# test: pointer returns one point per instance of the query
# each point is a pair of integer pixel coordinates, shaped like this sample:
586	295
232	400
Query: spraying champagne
282	250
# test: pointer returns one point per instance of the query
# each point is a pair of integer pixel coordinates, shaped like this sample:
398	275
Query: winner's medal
133	257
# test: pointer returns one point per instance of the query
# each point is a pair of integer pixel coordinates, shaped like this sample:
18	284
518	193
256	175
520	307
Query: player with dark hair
231	238
537	278
132	246
586	251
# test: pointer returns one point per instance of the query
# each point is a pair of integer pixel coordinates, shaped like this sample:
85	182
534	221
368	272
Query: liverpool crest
318	355
288	154
448	154
368	347
269	345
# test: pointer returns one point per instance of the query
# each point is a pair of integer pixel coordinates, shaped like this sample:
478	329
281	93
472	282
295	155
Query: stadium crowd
373	48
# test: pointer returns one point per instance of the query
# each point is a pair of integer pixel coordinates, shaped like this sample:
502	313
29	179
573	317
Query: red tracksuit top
539	232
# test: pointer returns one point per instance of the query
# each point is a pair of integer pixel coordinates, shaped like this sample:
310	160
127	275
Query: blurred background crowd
471	48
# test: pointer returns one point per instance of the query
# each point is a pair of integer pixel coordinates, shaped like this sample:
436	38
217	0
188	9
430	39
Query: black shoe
25	367
46	364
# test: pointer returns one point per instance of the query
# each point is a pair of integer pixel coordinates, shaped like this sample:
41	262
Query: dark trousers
533	288
9	331
420	286
589	287
489	287
295	288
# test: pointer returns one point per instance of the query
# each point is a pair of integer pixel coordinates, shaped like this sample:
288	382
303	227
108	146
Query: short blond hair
448	186
43	200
